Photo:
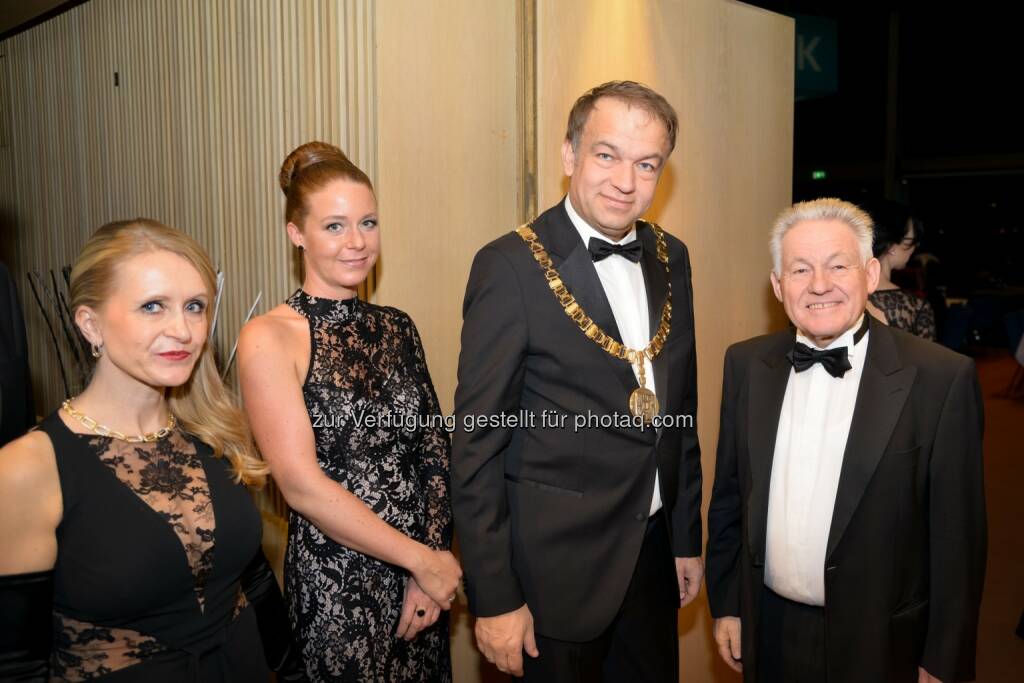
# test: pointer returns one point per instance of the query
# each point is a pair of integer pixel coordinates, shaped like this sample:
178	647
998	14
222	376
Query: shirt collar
845	339
586	232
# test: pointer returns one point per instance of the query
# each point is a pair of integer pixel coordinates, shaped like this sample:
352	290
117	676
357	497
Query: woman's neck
123	403
318	288
885	274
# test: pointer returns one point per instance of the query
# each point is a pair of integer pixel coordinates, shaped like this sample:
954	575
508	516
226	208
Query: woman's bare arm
30	505
272	394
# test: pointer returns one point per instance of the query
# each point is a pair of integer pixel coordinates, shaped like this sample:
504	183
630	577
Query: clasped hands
430	589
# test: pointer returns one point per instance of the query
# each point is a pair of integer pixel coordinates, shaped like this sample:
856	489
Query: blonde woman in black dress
129	539
368	572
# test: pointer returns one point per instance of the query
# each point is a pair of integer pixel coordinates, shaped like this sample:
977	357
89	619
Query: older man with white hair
847	527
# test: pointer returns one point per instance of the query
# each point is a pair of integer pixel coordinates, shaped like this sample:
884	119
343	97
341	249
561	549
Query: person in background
129	538
367	568
17	411
897	235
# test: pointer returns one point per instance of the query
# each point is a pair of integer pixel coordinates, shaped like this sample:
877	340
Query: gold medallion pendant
644	404
642	401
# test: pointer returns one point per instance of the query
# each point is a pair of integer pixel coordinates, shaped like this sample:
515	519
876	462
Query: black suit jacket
905	559
555	517
17	413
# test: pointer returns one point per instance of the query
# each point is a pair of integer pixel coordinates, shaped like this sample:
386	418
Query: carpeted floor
1000	651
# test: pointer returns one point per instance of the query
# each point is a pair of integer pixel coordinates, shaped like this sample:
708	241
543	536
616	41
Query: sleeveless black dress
153	540
375	417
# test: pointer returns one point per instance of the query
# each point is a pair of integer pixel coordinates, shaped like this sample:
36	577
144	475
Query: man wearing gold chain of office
580	545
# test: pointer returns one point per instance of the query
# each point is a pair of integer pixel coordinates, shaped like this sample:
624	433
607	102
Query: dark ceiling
17	15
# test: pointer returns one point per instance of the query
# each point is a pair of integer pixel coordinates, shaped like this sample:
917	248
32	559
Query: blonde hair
823	209
203	405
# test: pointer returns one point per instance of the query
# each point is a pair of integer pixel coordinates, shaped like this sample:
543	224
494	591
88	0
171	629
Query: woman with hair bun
129	539
344	411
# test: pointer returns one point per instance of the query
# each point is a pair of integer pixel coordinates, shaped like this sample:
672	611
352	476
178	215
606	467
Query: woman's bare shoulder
26	462
30	504
276	328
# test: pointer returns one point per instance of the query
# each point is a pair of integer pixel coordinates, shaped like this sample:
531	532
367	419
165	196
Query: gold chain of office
642	401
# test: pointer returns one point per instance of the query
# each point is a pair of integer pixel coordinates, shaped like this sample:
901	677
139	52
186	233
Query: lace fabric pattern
84	651
146	577
168	476
906	311
374	415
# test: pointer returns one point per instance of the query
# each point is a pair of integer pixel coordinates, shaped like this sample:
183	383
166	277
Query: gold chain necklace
642	401
104	430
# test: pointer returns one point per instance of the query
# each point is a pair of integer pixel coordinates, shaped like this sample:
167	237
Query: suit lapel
768	380
884	386
578	274
657	291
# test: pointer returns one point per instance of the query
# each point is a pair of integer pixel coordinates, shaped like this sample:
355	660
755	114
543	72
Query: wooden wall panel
449	179
448	149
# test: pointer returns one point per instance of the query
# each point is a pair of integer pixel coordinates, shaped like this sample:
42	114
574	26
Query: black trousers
642	643
791	641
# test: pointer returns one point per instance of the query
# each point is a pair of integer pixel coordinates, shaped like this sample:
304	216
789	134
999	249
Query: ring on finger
420	612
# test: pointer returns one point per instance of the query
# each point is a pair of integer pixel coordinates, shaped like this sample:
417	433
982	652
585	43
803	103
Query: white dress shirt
809	446
623	284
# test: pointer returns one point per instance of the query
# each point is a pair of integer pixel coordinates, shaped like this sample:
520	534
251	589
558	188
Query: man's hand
412	622
925	677
503	638
727	634
689	572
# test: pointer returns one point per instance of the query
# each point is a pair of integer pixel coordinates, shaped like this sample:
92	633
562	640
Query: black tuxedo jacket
17	413
555	517
905	558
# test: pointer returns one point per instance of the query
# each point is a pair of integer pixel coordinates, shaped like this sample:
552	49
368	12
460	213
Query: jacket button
640	517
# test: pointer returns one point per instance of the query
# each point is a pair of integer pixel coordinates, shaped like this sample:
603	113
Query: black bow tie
600	249
834	361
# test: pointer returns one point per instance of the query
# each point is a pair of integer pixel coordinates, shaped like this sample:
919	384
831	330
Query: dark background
927	111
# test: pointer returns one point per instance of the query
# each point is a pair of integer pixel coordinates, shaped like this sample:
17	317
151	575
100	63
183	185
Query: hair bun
304	156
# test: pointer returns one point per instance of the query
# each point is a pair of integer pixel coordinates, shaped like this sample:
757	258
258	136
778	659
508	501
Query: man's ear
776	285
873	269
568	158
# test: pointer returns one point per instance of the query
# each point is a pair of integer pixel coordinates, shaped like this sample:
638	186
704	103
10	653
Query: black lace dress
152	543
378	433
906	311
